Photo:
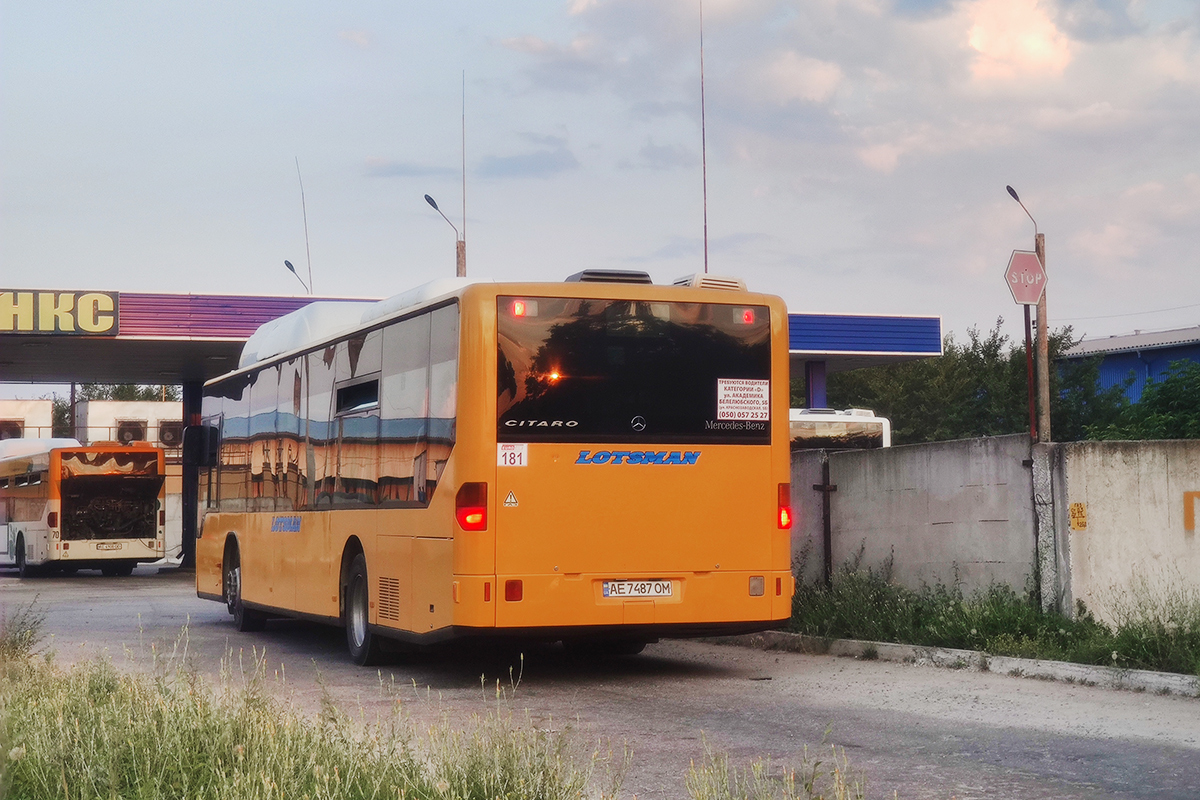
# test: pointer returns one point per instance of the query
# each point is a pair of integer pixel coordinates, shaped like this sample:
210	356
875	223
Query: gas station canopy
131	337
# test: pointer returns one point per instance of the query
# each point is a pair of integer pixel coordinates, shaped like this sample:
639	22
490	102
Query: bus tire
24	568
364	646
121	570
244	619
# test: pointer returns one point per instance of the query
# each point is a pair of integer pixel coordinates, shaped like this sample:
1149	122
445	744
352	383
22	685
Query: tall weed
1157	629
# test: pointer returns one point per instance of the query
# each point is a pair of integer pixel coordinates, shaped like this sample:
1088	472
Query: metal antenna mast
703	143
304	211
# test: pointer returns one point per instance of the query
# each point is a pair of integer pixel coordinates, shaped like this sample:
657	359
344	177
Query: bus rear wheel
364	645
244	619
24	568
120	570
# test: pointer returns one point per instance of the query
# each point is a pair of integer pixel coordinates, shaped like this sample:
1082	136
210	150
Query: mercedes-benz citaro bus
601	462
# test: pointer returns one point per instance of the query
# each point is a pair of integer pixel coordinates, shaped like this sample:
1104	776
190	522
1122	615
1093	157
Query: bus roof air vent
702	281
610	276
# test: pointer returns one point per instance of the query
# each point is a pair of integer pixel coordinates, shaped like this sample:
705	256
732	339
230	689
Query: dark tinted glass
573	370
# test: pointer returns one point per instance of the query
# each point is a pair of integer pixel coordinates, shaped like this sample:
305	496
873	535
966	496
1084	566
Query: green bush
1153	631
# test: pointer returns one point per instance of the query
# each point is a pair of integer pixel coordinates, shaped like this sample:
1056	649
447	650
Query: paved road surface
920	731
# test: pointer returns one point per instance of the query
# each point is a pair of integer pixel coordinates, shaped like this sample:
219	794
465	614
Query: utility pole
1043	349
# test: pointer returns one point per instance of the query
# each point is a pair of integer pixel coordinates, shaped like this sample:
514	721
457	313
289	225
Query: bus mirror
200	446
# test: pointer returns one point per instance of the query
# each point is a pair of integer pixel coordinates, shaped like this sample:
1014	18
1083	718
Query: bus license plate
108	546
637	588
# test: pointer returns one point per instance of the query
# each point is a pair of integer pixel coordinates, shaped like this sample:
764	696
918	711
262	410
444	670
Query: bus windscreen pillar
193	393
814	384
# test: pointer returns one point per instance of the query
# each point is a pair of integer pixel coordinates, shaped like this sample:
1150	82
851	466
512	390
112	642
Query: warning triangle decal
510	501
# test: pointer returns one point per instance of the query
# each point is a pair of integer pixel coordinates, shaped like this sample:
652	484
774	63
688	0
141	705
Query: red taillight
52	519
779	587
785	506
514	591
747	316
487	591
518	308
470	506
162	518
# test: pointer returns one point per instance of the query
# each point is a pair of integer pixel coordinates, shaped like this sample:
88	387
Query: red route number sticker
743	398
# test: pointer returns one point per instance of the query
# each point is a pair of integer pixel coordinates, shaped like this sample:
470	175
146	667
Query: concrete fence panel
1132	513
942	512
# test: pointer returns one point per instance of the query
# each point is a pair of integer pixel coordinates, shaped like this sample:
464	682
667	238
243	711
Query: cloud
551	158
791	76
693	246
663	157
1015	39
384	168
359	39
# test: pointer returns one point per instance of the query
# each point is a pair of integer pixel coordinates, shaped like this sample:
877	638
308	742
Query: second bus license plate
108	546
637	588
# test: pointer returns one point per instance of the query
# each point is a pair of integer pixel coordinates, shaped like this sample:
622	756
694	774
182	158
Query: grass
90	731
716	779
1154	629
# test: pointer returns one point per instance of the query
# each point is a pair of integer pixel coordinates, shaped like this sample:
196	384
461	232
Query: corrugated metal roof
842	333
1135	341
201	316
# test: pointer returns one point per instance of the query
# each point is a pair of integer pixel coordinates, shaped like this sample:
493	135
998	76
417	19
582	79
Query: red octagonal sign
1026	278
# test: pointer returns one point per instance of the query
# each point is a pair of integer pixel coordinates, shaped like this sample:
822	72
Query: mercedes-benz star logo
638	423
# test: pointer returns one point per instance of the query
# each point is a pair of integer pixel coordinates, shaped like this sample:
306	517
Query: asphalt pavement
919	731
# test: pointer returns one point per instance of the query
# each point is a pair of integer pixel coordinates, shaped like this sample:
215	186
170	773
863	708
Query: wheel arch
350	550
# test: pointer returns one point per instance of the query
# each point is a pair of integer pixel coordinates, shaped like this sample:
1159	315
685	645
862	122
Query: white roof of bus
324	319
24	448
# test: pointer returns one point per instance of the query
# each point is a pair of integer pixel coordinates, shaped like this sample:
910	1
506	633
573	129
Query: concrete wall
1094	521
97	420
37	416
947	511
1136	507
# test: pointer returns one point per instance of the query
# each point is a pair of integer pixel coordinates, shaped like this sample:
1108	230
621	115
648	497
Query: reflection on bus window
827	429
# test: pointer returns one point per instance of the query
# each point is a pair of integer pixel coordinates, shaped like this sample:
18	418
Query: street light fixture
460	241
1043	345
292	270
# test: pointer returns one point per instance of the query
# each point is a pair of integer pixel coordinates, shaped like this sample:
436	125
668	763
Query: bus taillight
162	518
524	308
470	506
52	519
785	506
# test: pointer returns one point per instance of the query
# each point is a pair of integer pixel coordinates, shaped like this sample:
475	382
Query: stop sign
1026	278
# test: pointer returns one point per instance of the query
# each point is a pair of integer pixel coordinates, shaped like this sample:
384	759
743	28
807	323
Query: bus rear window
587	370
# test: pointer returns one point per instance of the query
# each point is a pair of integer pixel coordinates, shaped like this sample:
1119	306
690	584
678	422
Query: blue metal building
1144	356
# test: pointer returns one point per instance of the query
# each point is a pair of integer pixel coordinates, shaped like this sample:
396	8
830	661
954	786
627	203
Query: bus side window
264	393
404	410
290	407
356	410
322	435
233	462
443	392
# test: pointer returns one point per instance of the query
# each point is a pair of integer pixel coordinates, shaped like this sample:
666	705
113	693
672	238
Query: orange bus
600	462
65	507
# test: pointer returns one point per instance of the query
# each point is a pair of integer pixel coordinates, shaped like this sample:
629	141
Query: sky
857	150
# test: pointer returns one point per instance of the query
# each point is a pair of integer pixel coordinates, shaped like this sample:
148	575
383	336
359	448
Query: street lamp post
460	241
1043	343
292	270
